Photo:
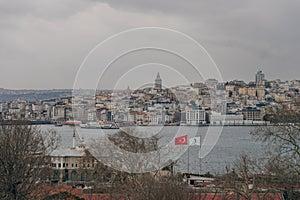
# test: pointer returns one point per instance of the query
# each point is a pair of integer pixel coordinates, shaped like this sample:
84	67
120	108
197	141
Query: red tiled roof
48	190
206	196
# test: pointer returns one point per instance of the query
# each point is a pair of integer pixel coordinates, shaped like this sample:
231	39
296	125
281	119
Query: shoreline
49	122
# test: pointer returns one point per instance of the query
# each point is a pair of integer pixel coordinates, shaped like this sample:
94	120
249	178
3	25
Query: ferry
110	126
72	123
91	125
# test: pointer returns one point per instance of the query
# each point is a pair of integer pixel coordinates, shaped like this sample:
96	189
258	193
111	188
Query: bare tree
134	144
150	186
283	142
248	180
134	184
127	153
23	158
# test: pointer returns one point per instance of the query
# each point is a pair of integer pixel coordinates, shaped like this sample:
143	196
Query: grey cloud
53	9
54	36
267	24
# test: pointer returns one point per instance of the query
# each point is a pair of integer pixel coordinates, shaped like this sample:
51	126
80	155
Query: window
64	165
84	176
56	175
74	176
59	165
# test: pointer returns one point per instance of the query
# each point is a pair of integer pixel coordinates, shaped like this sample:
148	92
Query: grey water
233	141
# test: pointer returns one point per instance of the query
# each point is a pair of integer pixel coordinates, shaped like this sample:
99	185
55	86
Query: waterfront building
252	113
58	112
154	118
216	118
195	117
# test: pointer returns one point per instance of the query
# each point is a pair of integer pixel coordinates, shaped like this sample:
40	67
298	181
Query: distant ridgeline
7	95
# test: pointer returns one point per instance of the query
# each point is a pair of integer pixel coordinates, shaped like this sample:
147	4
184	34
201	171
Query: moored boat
72	123
91	125
110	126
58	124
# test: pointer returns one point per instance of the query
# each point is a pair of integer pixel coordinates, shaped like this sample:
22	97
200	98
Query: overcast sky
43	42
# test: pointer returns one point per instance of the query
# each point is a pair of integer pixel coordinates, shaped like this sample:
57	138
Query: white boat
110	126
91	125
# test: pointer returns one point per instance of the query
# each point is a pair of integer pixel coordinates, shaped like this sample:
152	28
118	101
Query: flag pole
188	163
200	155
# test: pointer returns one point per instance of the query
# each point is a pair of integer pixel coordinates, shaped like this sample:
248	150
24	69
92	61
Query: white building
195	117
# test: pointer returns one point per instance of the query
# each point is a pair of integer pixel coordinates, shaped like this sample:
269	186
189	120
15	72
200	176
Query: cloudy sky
44	42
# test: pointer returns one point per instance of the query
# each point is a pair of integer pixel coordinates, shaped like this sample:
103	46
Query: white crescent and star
182	140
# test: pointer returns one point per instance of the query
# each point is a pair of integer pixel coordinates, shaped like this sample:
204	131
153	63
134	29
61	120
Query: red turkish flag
182	140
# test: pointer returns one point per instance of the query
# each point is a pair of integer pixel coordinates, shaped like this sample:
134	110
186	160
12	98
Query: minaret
74	140
158	82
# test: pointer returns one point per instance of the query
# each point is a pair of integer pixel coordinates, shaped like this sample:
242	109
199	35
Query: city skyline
236	101
44	43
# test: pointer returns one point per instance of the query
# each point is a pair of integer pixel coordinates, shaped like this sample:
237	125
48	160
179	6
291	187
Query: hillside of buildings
210	102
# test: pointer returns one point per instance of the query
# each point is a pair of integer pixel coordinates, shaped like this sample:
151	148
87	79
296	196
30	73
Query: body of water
233	141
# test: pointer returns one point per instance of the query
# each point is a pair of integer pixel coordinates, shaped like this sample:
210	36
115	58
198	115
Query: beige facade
73	165
243	90
253	92
260	92
230	87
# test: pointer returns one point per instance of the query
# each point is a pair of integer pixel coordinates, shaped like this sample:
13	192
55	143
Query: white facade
219	119
195	117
